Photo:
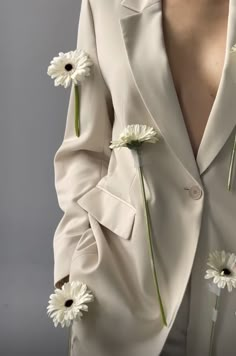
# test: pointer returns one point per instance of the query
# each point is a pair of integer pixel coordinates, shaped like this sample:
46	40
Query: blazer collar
142	31
138	5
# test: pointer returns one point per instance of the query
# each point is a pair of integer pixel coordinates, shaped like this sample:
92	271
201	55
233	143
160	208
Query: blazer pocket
109	210
87	243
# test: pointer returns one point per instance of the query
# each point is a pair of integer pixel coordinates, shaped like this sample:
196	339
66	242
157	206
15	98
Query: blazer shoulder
103	4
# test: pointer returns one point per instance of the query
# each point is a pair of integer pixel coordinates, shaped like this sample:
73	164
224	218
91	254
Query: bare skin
195	39
60	283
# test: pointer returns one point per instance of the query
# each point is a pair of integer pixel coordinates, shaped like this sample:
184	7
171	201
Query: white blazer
100	239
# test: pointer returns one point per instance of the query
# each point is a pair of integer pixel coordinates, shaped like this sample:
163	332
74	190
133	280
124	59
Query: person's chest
195	39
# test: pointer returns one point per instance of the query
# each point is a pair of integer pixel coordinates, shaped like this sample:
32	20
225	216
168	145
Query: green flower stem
213	327
70	334
77	124
147	218
231	164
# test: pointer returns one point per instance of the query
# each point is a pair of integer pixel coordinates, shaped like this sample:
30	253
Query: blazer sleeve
80	162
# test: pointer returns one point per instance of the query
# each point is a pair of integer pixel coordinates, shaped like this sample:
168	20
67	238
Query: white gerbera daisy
67	303
223	269
71	66
134	135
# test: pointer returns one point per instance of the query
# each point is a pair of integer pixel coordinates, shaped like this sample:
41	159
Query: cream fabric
101	239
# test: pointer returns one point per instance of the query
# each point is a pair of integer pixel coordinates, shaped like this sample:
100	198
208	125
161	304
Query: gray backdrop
33	114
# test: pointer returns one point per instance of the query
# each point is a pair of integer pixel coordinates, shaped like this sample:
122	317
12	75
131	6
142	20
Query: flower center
68	67
68	303
134	144
225	272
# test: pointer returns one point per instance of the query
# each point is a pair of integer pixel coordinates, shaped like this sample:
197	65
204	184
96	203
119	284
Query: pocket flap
110	210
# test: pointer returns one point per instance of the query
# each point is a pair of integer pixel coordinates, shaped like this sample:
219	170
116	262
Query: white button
195	192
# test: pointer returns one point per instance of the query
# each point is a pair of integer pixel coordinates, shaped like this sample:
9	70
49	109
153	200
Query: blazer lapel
222	117
141	25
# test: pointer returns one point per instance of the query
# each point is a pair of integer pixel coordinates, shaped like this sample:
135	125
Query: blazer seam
105	87
99	67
